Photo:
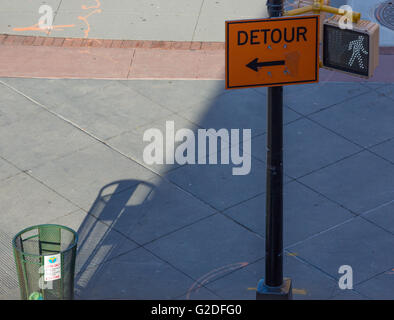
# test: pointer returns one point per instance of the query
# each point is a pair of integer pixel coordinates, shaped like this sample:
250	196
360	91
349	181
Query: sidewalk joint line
326	197
329	164
373	276
307	263
131	63
321	232
54	18
198	19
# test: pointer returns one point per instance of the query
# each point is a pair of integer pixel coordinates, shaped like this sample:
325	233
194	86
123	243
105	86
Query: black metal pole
273	285
274	195
275	8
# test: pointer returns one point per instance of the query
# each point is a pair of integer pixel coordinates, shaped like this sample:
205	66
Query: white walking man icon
358	47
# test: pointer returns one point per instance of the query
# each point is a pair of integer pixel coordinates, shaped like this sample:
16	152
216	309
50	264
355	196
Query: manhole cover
385	14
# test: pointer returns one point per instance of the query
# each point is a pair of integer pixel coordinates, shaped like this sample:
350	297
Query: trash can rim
72	245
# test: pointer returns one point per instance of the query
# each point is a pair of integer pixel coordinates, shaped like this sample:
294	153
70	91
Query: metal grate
8	277
36	246
384	13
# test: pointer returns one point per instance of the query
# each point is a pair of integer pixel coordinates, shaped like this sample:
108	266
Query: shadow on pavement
116	207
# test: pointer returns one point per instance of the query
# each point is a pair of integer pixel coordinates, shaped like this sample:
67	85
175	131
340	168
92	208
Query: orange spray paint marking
46	30
98	5
85	19
60	27
204	279
390	272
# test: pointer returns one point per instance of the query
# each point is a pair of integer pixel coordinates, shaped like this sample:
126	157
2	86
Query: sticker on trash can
52	267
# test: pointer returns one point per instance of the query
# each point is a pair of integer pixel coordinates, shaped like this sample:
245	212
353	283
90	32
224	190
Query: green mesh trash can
45	262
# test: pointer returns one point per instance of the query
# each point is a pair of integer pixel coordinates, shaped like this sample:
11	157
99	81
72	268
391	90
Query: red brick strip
16	40
386	50
2	38
66	62
49	57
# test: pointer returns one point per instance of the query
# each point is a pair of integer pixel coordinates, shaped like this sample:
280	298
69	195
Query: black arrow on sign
255	65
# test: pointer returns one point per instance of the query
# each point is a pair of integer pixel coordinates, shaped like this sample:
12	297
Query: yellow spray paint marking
299	291
295	291
292	254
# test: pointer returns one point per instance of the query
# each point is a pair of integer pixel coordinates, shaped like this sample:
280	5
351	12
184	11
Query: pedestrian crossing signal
354	50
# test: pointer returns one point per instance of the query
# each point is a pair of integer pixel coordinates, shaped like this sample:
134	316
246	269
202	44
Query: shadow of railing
113	209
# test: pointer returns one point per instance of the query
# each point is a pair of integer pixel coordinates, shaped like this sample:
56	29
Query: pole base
283	292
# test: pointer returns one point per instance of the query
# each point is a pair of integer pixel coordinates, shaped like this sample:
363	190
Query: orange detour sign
272	52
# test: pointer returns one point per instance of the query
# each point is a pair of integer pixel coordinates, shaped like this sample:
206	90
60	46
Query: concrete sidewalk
176	20
170	20
71	153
